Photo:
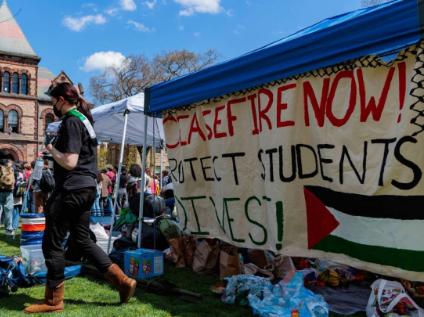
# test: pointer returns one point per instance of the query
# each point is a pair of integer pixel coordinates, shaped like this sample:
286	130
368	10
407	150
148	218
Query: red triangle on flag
319	219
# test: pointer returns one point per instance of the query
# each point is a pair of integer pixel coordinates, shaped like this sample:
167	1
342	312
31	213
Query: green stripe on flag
404	259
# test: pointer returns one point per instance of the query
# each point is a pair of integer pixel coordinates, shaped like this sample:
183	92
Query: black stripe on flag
381	206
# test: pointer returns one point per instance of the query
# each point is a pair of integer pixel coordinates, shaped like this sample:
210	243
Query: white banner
328	164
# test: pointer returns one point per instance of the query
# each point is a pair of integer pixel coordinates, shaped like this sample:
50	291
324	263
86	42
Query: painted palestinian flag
387	230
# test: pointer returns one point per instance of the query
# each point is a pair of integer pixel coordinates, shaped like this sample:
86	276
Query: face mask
56	112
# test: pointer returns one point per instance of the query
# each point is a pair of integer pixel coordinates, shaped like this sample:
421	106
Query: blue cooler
143	264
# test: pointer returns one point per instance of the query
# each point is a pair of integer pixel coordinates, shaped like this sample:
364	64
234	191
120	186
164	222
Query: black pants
69	211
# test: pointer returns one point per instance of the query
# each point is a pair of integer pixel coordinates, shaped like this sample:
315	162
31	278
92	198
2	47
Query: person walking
28	171
18	193
105	193
43	188
110	172
7	184
122	191
68	208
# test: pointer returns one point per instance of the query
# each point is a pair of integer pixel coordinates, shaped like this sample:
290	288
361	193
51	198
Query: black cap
49	90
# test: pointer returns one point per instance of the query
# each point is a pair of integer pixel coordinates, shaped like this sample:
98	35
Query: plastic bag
229	262
240	286
389	297
279	300
176	253
283	268
205	256
99	231
284	298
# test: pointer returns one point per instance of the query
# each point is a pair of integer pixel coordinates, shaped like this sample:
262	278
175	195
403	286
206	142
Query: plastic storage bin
143	264
33	258
32	229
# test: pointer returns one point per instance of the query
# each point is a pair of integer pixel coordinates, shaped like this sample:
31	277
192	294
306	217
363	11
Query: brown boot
53	301
125	285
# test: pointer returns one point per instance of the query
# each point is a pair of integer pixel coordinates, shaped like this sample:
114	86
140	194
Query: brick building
25	110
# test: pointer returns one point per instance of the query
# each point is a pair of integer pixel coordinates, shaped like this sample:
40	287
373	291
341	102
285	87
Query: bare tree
179	63
138	72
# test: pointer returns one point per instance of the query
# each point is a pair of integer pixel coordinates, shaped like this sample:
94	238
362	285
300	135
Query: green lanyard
75	113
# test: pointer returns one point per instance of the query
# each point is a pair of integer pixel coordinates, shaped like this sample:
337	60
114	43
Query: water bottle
38	169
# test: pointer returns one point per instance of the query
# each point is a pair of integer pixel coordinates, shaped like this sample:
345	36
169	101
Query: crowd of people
128	195
19	192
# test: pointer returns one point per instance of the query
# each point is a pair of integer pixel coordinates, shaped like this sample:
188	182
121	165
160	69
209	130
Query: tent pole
161	161
161	168
118	178
143	182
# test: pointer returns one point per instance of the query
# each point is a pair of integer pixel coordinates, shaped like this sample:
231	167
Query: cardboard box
143	264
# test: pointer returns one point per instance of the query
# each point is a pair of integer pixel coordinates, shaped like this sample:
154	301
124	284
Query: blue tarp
383	30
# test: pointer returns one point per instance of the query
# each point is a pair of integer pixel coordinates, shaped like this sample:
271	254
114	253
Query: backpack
7	177
47	182
13	275
20	187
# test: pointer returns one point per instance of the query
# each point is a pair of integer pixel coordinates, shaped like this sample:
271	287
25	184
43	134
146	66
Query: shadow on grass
179	305
91	303
12	241
17	302
175	305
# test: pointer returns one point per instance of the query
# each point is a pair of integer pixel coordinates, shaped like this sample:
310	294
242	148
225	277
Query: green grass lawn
89	297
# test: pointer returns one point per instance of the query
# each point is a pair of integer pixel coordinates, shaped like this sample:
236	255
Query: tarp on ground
109	123
324	162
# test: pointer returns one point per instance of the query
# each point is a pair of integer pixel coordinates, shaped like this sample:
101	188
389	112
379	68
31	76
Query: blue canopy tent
381	30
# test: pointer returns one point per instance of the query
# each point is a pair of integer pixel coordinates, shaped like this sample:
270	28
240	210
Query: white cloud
140	26
191	7
77	24
101	61
150	4
128	5
112	11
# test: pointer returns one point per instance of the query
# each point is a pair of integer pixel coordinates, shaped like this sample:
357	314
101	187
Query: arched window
24	84
6	82
1	121
13	121
49	118
15	83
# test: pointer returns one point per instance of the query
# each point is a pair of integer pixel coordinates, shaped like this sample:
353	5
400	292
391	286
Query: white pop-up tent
124	122
110	121
121	121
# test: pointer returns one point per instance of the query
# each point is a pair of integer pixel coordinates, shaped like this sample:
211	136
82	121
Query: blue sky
80	37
